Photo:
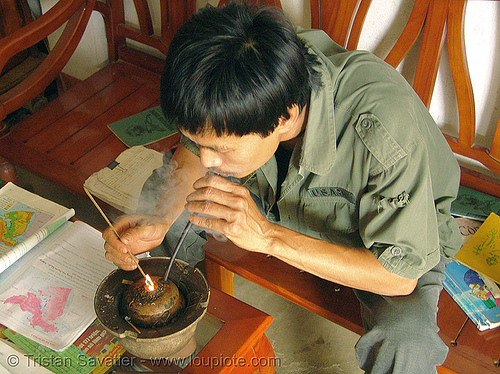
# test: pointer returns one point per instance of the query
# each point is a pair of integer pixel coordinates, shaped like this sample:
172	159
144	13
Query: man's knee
401	351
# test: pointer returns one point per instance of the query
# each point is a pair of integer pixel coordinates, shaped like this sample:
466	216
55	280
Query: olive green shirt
372	168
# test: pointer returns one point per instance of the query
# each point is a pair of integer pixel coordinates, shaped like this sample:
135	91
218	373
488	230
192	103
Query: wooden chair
68	140
76	13
439	22
341	20
13	16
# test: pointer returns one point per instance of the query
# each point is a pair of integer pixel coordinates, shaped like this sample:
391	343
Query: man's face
236	156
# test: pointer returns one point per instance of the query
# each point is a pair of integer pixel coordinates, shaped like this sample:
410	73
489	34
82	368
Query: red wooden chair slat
75	14
70	137
357	24
430	50
410	33
143	14
341	20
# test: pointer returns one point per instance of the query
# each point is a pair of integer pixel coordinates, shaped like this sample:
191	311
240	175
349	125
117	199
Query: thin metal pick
176	250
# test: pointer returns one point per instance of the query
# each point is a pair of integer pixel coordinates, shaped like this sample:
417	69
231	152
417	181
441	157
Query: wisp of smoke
155	196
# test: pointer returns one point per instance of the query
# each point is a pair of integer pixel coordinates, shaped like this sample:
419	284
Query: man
343	172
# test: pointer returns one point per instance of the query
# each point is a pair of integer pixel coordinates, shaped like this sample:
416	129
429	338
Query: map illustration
18	223
46	305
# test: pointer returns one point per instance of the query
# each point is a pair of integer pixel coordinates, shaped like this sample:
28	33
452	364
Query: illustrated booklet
475	293
25	220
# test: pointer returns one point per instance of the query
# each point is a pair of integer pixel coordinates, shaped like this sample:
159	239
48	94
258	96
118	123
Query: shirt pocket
330	215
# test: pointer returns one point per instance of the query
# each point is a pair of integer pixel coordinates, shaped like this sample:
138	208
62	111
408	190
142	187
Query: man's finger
212	180
122	260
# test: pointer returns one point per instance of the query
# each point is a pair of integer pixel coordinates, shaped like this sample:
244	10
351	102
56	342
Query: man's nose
209	158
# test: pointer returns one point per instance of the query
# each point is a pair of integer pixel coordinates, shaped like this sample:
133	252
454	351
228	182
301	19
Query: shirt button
366	123
396	251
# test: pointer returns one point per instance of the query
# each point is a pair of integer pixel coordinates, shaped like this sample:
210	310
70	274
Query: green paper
143	128
69	360
475	204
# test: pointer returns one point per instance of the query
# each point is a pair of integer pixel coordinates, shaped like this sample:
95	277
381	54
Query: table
237	343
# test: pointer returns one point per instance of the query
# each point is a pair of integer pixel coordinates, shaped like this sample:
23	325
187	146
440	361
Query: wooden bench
69	140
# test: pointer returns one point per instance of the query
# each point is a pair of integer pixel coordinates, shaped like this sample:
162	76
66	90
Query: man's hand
138	233
232	212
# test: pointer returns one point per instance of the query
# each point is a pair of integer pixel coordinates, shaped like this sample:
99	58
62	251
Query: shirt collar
318	148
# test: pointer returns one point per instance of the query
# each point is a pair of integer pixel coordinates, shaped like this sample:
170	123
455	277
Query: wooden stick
127	318
114	230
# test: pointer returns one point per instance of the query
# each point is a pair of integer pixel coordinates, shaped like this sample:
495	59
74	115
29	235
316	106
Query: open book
47	295
25	220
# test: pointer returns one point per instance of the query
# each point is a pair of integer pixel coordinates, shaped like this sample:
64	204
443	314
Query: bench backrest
431	24
437	22
74	14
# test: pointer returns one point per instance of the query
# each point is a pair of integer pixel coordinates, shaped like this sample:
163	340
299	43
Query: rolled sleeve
398	217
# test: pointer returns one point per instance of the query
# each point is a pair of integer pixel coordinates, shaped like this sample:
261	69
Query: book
95	351
25	220
47	295
468	227
120	183
482	251
469	291
13	361
474	204
478	296
143	128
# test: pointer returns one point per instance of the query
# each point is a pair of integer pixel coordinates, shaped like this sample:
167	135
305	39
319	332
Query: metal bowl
164	341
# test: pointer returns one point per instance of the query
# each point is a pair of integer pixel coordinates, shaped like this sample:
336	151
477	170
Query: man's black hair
236	70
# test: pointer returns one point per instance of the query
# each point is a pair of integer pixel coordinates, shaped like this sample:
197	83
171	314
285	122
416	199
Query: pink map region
45	307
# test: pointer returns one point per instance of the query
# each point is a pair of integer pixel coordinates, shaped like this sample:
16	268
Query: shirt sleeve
398	221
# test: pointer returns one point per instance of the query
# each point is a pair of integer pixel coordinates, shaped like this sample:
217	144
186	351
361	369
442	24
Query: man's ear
286	125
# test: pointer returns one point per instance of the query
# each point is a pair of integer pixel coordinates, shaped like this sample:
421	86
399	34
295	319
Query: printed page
25	220
120	183
468	227
14	361
50	299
